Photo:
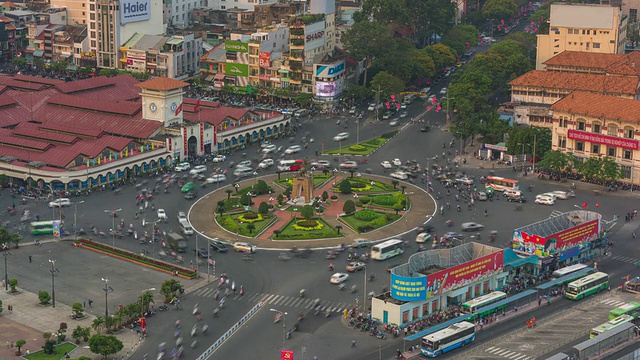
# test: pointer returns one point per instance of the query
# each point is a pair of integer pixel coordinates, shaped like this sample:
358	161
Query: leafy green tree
19	61
358	93
395	183
77	308
349	207
591	169
367	40
77	334
263	208
611	170
307	212
397	208
303	99
109	72
15	239
403	187
59	65
458	37
441	55
261	187
499	9
245	199
98	324
105	345
345	187
280	199
145	299
19	344
387	84
170	289
494	129
251	227
13	283
44	297
325	196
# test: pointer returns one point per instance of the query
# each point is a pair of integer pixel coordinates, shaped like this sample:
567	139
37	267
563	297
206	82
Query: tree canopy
499	9
388	84
367	40
105	345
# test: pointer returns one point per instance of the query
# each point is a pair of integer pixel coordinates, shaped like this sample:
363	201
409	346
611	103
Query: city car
269	149
264	144
559	194
60	202
465	180
219	158
403	114
218	246
216	178
183	167
399	175
203	253
244	164
471	226
244	247
482	196
453	236
360	243
518	198
349	165
162	215
198	170
182	216
321	164
545	200
425	128
387	115
396	162
353	110
266	163
190	186
339	278
191	195
293	149
394	122
443	91
341	137
371	107
355	266
387	165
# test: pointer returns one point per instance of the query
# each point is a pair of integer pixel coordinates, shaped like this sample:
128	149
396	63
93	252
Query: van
185	227
423	238
302	113
176	242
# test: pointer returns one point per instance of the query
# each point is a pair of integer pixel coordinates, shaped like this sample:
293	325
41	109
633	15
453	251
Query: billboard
603	139
234	69
134	11
531	244
408	288
324	88
236	46
329	71
314	36
461	275
264	59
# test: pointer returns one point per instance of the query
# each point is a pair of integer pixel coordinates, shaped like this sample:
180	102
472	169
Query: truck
176	242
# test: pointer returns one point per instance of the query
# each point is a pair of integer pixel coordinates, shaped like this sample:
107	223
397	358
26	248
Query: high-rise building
179	13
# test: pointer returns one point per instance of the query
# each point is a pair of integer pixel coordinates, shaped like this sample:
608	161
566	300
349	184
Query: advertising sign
603	139
330	71
264	77
218	83
264	59
56	228
201	137
314	36
531	244
234	69
185	142
134	11
408	288
458	276
324	88
286	354
236	46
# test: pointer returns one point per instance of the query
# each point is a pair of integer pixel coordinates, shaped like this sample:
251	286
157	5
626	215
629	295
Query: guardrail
207	353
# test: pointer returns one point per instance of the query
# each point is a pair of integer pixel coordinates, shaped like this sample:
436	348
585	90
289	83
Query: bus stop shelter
566	279
605	341
558	356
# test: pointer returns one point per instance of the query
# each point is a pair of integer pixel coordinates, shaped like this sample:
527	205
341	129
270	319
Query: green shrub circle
365	215
334	197
250	215
386	200
357	148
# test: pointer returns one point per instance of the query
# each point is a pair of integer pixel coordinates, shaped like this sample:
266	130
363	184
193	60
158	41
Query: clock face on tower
174	106
153	107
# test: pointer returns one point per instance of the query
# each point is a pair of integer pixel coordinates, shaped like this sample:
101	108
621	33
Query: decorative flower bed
250	217
307	225
357	148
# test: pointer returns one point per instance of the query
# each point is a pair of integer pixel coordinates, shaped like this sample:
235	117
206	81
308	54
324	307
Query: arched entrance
192	146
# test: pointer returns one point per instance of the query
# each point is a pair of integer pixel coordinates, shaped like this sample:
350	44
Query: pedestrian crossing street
626	259
613	302
280	300
509	354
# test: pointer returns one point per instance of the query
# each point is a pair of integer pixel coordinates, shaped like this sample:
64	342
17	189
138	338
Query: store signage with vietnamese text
264	59
457	276
408	288
603	139
265	77
532	244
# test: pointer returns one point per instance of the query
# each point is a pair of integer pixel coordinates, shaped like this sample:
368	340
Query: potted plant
44	297
77	334
12	284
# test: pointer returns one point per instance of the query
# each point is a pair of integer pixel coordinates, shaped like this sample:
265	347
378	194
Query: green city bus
587	285
610	325
632	308
42	227
471	306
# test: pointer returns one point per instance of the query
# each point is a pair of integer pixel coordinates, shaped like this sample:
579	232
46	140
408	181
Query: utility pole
533	159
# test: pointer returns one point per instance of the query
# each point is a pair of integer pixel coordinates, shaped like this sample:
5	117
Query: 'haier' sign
134	10
330	71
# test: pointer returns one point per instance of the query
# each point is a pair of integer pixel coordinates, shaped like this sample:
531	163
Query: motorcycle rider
331	267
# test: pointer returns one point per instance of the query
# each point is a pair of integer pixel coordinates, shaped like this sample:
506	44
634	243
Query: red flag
195	108
179	109
584	205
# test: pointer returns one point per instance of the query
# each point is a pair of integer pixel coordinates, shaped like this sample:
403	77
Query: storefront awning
219	77
512	259
38	53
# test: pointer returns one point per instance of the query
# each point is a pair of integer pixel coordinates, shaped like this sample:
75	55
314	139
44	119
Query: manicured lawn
361	226
58	350
368	186
364	148
287	232
317	180
232	224
388	201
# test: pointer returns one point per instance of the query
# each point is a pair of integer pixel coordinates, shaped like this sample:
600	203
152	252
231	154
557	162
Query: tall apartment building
264	46
230	4
175	57
179	13
76	10
580	27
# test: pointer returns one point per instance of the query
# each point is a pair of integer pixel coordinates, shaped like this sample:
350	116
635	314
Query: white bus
610	325
387	249
567	270
472	305
448	339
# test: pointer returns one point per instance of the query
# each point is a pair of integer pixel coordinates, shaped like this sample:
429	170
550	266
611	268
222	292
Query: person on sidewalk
353	343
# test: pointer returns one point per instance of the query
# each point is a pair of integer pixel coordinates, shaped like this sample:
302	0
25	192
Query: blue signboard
408	288
569	253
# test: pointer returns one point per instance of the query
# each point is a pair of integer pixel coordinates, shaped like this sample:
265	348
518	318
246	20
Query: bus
471	306
497	183
447	339
632	309
387	249
610	325
567	270
290	165
42	227
587	285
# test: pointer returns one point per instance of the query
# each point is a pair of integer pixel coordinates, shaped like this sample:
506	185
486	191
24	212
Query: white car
162	215
349	165
341	137
431	98
387	165
443	91
183	167
219	158
198	170
269	149
60	202
465	180
545	200
471	226
394	122
320	164
339	278
387	115
244	247
265	144
293	149
511	193
559	194
396	162
182	216
403	114
371	107
399	175
353	110
216	178
266	163
244	164
403	106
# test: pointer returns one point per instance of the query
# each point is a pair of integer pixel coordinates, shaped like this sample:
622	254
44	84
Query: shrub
365	228
44	297
261	187
307	212
365	199
334	197
357	148
308	225
388	135
325	196
349	207
366	215
245	200
385	200
250	217
263	208
374	142
345	187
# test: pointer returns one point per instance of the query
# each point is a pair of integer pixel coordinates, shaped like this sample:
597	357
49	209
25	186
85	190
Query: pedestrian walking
353	343
30	259
634	235
90	302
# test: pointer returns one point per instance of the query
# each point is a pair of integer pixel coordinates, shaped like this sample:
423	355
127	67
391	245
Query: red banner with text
185	142
201	137
460	275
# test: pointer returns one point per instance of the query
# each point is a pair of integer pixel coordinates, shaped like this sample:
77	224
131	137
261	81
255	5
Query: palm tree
395	183
403	187
251	227
229	192
98	324
351	171
145	299
110	322
338	228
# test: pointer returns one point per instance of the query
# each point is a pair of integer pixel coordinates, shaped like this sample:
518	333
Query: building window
595	149
405	316
611	151
564	122
415	313
582	125
485	287
629	132
626	171
596	45
562	142
627	154
468	295
596	128
579	146
434	305
633	15
612	130
425	307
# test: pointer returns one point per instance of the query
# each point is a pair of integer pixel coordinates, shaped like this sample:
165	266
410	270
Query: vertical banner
56	228
286	354
201	137
185	142
170	144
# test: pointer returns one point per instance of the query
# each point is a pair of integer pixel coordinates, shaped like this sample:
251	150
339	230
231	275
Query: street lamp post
53	272
113	228
6	274
107	289
75	218
284	324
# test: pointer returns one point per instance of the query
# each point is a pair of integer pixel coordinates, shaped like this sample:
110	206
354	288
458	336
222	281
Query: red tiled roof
123	89
9	81
64	128
38	80
31	130
7	138
584	59
86	84
8	4
10	27
162	83
121	108
601	106
215	116
6	100
579	81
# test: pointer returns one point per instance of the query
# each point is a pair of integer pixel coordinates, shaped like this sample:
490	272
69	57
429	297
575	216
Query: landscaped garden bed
247	223
59	352
367	220
317	180
363	185
300	228
364	148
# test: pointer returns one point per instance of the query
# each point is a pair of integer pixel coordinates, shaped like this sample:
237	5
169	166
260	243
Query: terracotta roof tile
121	108
86	84
161	83
601	106
584	59
627	85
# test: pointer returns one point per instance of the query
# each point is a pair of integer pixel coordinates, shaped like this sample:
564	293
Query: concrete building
179	13
268	44
176	57
76	10
269	14
582	27
230	4
590	125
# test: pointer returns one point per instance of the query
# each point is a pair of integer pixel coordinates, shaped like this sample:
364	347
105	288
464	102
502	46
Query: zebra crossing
626	259
280	300
613	302
509	354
